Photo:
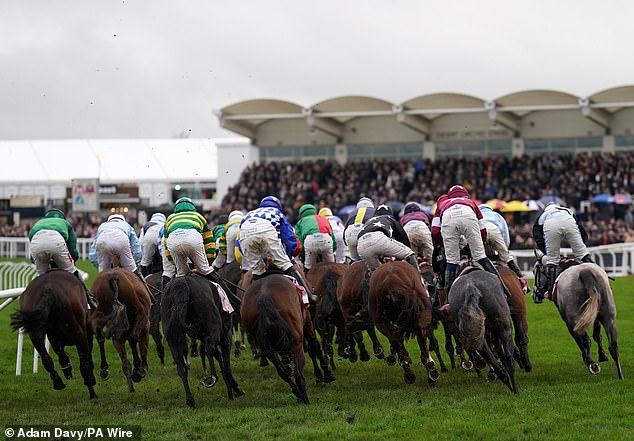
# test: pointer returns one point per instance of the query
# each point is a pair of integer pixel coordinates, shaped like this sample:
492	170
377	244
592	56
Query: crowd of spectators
573	179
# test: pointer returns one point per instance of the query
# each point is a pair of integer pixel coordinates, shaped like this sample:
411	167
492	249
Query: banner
85	195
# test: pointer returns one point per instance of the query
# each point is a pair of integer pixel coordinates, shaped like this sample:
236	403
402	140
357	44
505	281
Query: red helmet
457	191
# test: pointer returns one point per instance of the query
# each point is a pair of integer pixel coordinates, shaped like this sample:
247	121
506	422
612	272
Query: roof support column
429	150
608	144
517	147
341	153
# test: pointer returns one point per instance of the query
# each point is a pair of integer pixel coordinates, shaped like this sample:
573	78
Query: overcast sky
153	69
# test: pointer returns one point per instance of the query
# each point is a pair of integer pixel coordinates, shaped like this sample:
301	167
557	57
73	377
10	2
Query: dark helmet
271	201
55	212
412	207
384	210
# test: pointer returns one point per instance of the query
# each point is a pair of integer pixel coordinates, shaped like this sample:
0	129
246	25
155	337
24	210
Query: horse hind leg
435	348
138	372
155	332
425	357
583	341
181	368
232	384
85	363
405	362
610	330
323	375
64	361
376	345
596	335
104	372
125	363
363	352
47	361
300	380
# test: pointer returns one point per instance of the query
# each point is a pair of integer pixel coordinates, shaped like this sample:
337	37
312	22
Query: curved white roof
118	160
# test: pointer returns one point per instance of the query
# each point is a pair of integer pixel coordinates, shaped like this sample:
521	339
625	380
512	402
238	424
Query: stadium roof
246	117
119	160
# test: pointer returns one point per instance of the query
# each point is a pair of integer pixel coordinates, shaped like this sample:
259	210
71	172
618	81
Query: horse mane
472	319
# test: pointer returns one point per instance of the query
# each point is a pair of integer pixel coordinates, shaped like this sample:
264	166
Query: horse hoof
104	374
391	360
528	367
136	376
433	375
59	385
209	381
264	362
93	396
480	363
236	353
191	402
364	356
409	377
352	356
603	357
326	379
238	391
467	365
594	368
68	372
491	376
444	369
378	353
341	353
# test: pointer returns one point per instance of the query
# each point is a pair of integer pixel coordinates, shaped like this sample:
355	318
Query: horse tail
273	332
174	313
117	321
36	319
472	319
407	319
590	307
328	302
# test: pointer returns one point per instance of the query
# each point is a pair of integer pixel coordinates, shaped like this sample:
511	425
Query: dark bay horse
584	299
54	305
191	307
482	318
517	305
352	289
400	308
274	316
154	283
324	279
124	314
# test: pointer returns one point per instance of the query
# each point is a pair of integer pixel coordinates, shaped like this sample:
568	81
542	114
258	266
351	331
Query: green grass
558	400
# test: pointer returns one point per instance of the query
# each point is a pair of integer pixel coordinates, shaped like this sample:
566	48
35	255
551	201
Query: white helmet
235	214
116	217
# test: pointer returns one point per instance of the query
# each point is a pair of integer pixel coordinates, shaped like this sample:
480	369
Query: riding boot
312	298
551	275
145	270
513	266
233	299
450	276
92	301
147	288
587	259
488	266
164	281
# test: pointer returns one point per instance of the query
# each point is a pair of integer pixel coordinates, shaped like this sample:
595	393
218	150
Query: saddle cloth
301	291
224	300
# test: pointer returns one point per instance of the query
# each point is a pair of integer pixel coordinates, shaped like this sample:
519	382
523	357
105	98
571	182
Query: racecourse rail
616	259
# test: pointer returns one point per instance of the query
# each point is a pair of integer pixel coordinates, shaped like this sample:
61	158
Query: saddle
301	291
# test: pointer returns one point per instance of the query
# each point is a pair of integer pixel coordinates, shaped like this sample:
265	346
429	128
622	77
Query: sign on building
85	195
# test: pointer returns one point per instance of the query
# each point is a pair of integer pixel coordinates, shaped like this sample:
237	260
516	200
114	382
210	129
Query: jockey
169	268
54	238
416	225
220	256
553	225
455	217
116	238
231	231
315	235
148	240
187	236
383	236
337	231
266	232
498	240
354	224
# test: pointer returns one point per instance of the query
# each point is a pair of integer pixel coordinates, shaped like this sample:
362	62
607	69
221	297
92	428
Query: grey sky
151	69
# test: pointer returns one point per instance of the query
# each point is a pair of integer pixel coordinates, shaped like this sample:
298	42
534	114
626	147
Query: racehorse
400	308
124	312
479	311
54	305
154	283
584	300
324	278
191	307
274	315
351	292
517	306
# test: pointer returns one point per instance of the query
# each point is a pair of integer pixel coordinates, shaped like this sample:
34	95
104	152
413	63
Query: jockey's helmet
117	217
326	212
365	202
458	191
412	207
384	210
55	212
271	201
235	214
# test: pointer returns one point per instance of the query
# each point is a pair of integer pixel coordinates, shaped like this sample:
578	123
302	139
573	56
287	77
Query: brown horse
324	278
517	305
54	305
352	289
154	283
274	316
400	308
124	312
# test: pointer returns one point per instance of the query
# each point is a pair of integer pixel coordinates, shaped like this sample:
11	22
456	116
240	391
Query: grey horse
585	300
480	313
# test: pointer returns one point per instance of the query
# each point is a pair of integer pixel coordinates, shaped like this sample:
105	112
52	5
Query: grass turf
558	400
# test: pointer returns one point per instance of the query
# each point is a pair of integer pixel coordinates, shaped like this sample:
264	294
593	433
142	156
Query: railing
12	247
